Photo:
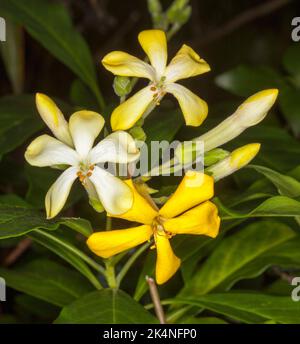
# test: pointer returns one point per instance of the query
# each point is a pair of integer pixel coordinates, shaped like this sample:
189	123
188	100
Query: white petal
54	118
48	151
118	147
115	195
194	109
58	193
85	126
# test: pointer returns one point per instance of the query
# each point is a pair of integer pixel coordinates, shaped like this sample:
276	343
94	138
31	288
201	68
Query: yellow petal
202	219
141	211
166	263
194	108
121	63
154	43
194	189
108	243
54	118
185	64
128	113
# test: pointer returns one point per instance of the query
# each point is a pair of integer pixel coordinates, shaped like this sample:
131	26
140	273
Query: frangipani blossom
188	211
73	146
163	79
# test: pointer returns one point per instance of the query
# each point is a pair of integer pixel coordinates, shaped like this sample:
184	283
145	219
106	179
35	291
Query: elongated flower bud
54	118
237	159
249	113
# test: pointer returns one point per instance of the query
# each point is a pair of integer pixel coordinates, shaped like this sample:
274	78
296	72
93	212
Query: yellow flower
185	64
188	211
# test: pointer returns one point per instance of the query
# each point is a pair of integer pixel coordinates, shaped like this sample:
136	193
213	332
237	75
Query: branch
242	19
156	300
14	255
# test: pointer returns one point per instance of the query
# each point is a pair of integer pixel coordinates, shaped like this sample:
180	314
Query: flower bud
237	159
179	12
249	113
122	85
155	9
54	118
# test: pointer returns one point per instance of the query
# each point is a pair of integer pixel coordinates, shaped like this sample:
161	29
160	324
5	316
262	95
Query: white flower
73	146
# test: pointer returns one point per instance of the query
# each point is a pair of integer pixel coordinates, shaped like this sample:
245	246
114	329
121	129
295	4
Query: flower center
158	90
158	227
85	172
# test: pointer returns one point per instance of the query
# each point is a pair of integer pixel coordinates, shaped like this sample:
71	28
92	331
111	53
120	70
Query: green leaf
291	59
50	24
286	185
19	220
248	307
290	106
13	56
273	206
105	306
203	320
246	80
243	255
48	281
17	121
67	252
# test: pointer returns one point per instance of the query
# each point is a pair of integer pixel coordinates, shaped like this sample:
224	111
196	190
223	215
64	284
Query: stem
74	250
109	265
110	275
130	262
156	300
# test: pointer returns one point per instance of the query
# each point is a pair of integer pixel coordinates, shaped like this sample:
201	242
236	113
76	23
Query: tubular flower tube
237	159
163	79
188	211
73	146
252	111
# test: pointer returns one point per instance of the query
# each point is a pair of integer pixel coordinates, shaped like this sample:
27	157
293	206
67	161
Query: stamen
89	174
153	88
92	167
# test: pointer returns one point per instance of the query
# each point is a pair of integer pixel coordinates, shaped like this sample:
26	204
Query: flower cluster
189	210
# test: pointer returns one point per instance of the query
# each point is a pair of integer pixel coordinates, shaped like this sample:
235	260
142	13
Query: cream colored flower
73	146
163	79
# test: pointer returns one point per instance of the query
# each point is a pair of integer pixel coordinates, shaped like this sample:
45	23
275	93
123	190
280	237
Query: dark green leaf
105	307
50	24
48	281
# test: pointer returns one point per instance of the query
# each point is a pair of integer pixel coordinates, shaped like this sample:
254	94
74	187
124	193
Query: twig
14	255
283	275
156	300
242	19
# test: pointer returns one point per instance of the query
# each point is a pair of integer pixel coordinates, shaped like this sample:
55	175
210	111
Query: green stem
109	264
130	262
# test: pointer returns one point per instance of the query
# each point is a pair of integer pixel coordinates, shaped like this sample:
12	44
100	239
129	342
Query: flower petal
185	64
118	147
59	191
108	243
121	63
54	118
128	113
115	195
154	43
194	108
194	189
85	126
45	150
202	219
141	211
166	263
